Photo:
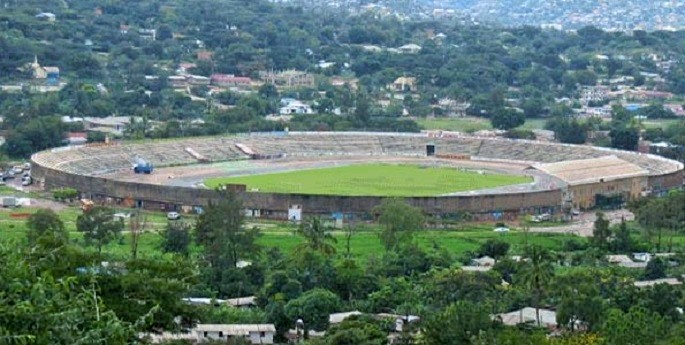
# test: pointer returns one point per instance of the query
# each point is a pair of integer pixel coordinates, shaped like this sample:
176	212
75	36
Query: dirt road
582	225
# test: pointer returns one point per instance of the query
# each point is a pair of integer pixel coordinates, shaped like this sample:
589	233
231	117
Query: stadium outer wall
275	205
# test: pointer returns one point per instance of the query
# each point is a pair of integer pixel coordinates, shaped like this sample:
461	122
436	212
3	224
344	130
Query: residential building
289	78
177	81
183	67
254	333
47	16
198	80
548	318
648	283
484	261
49	73
242	302
111	124
338	318
404	84
150	34
257	334
296	108
205	55
76	138
409	48
230	80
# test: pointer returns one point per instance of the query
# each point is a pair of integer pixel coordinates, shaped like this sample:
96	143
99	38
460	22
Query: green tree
624	138
176	238
581	304
164	32
457	324
160	282
351	282
601	232
536	274
622	243
220	230
448	286
494	248
637	326
399	221
268	91
316	236
99	226
567	130
313	307
506	118
656	269
36	306
45	227
356	330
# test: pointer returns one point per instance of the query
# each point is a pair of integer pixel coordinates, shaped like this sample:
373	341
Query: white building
548	318
255	333
295	107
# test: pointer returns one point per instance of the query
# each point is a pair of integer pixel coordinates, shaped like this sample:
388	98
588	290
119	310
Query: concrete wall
664	182
276	205
584	195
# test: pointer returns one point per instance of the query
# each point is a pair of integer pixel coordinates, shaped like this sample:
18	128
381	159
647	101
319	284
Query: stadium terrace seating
93	160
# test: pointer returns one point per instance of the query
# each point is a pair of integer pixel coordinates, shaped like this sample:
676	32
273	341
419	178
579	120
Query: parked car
502	229
173	216
122	216
542	217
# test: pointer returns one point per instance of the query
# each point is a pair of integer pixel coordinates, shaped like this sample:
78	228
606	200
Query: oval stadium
550	178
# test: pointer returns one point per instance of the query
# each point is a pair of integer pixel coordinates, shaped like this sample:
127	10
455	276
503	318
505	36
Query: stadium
551	178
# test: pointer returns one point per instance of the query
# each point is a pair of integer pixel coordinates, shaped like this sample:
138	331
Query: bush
65	193
656	269
520	134
494	249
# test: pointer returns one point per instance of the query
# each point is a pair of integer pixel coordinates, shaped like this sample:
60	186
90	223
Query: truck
142	167
9	201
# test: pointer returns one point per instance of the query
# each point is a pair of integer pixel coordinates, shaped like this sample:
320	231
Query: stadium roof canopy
592	170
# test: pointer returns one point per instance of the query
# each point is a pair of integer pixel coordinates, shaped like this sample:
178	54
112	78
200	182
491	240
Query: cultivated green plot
373	180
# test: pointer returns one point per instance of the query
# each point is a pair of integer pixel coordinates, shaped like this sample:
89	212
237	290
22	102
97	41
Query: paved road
583	224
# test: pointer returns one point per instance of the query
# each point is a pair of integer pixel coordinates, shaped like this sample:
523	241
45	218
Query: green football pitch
372	180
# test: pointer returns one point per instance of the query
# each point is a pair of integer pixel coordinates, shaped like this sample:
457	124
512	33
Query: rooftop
592	170
669	281
547	317
340	317
235	329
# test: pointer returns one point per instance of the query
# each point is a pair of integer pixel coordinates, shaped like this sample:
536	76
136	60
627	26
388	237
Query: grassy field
471	124
364	244
460	124
662	123
372	180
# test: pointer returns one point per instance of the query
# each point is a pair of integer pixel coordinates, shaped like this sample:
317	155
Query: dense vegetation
55	289
100	43
55	278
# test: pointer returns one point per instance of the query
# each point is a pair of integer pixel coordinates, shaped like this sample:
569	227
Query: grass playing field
372	180
471	124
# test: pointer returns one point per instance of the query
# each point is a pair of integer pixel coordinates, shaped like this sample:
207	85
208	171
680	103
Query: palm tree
317	237
536	274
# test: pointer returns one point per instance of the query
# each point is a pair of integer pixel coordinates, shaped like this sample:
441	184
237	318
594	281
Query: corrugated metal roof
592	170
